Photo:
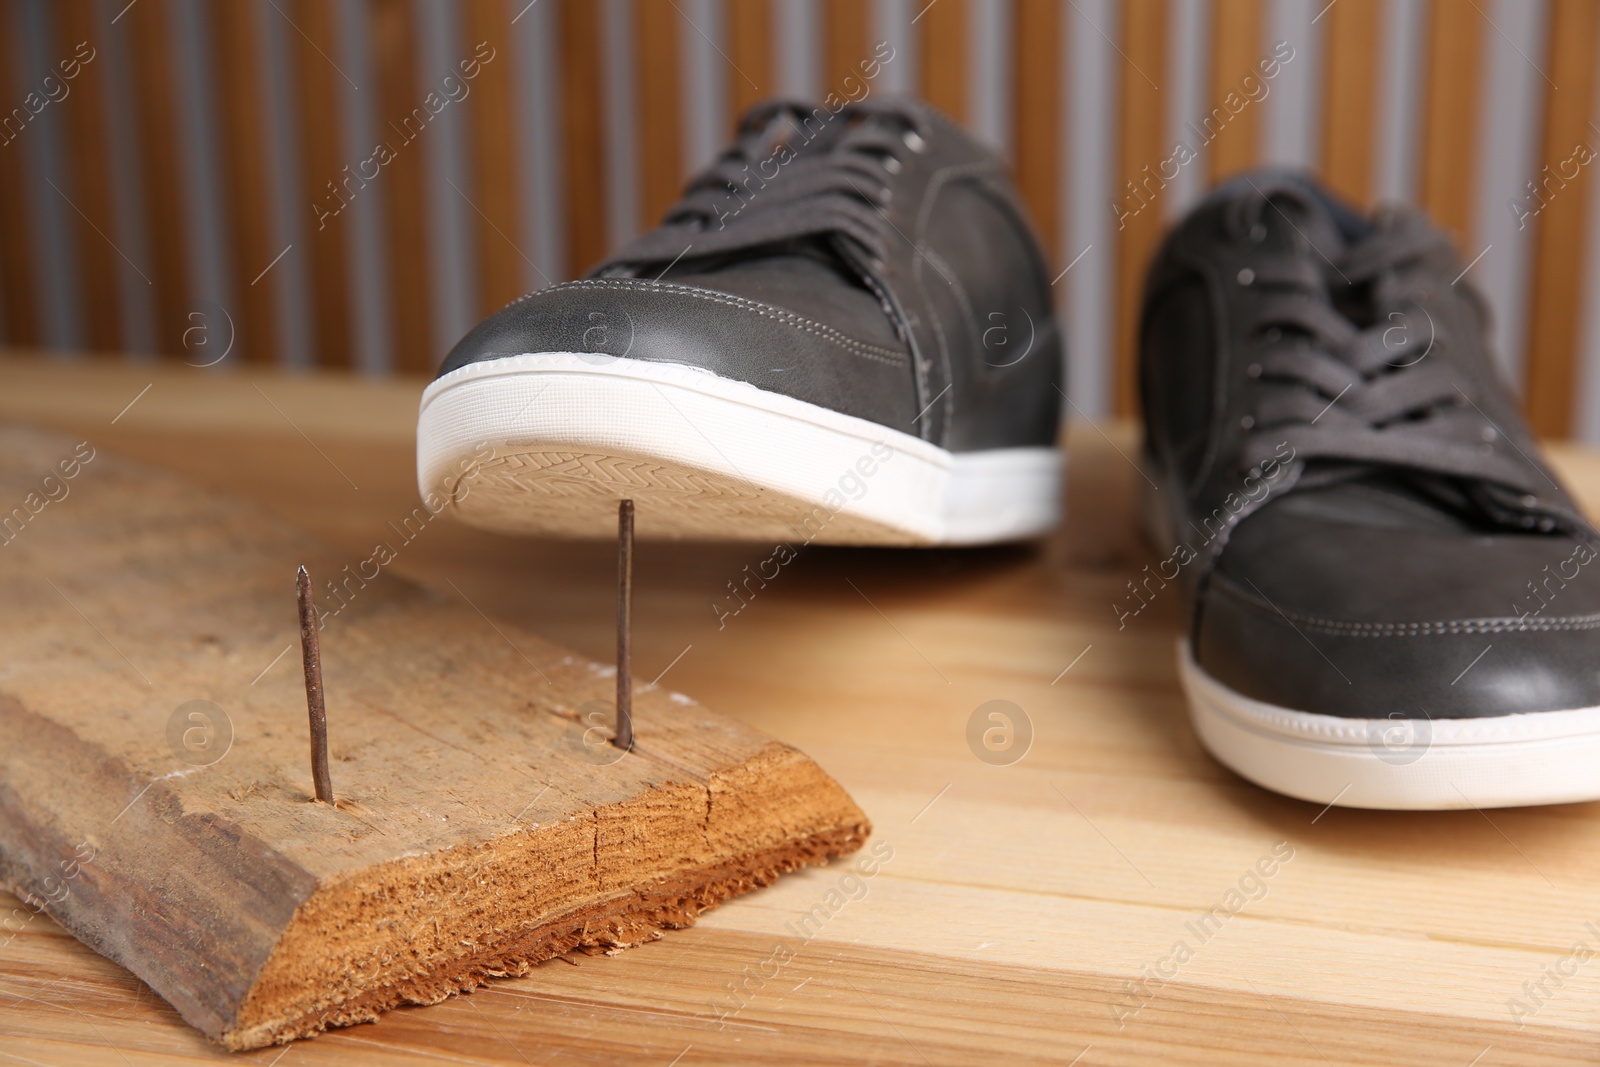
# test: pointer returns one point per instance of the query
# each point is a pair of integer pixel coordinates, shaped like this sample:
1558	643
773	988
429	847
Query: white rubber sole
549	442
1548	757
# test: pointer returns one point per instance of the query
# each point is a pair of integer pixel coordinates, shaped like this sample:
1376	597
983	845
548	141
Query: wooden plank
483	822
152	55
252	241
1237	45
1011	918
750	56
848	33
402	121
583	147
19	297
1559	212
496	181
942	65
1350	97
87	146
1038	122
1450	118
319	90
656	25
1142	146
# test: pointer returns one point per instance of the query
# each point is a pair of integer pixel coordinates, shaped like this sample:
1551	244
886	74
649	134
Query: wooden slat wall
341	261
1144	144
943	42
321	128
18	294
1449	149
392	24
582	82
234	40
1236	47
496	214
155	104
1350	100
1562	223
89	179
660	105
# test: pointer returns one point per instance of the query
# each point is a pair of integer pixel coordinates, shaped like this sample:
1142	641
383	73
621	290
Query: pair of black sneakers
843	333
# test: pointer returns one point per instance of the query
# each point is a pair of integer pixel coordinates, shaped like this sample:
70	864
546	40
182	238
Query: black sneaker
842	333
1392	600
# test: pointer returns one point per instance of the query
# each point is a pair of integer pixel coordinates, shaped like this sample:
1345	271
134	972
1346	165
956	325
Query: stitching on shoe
876	353
1439	627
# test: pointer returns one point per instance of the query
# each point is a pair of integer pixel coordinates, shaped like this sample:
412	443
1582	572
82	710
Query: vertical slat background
1451	106
18	300
536	188
1144	144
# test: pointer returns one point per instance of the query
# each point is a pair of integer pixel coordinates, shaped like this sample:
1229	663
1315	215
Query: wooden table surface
1030	912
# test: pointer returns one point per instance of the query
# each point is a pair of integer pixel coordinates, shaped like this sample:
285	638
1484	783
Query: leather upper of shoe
1363	522
873	260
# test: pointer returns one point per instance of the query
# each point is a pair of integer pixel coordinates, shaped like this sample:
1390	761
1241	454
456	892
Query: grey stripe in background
1292	130
1093	159
200	158
289	276
538	118
1512	94
1586	427
130	231
990	59
1403	52
702	44
453	264
797	48
891	23
366	241
621	121
1188	98
42	143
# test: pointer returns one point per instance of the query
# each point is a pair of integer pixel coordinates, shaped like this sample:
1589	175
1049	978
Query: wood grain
496	182
1559	211
402	120
1037	104
1350	97
942	71
1451	95
1015	910
251	239
1142	147
92	212
319	93
18	293
1237	45
150	34
659	88
154	780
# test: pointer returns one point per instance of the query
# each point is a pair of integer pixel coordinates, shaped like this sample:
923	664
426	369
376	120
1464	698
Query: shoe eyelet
1487	434
893	165
1546	525
1247	423
914	141
1258	233
1253	370
1246	276
1530	500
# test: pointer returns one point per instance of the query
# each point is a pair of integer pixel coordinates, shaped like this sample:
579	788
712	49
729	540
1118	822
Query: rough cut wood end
478	830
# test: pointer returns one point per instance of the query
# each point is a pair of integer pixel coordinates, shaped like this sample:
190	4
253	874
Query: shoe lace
1386	395
791	173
